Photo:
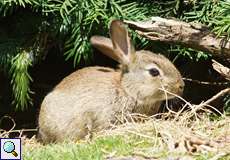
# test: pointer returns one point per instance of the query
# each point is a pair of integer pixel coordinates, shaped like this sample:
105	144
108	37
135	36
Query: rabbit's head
144	74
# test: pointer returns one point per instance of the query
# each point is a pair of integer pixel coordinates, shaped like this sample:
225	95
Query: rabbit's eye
154	72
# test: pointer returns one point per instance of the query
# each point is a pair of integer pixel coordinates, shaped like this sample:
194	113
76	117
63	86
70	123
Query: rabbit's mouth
172	92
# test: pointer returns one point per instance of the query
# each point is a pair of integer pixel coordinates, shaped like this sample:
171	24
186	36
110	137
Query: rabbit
93	98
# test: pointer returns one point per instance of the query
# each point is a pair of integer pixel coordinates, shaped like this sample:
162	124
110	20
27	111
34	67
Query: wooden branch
222	70
219	94
192	35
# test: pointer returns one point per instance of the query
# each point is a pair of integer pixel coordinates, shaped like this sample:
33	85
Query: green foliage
31	27
19	49
7	7
189	52
20	79
69	23
85	18
221	20
202	11
214	13
17	63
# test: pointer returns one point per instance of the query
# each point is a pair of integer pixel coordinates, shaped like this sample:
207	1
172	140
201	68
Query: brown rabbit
92	98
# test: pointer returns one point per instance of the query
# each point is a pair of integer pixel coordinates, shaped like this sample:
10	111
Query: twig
206	83
221	93
140	134
224	71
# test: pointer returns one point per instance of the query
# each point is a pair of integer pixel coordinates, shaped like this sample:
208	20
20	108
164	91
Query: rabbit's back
87	76
88	99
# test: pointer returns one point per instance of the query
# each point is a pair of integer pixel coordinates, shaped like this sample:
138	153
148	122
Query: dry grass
180	136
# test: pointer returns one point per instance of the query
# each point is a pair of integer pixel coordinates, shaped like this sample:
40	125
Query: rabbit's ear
122	45
104	45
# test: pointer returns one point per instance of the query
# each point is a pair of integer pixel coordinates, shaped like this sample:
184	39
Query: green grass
92	150
155	138
102	148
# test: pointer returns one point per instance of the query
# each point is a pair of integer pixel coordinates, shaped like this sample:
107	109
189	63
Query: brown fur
93	98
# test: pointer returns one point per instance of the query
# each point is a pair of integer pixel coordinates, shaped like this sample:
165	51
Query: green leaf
21	80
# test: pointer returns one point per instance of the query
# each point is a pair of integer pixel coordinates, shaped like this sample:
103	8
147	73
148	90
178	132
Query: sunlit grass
202	138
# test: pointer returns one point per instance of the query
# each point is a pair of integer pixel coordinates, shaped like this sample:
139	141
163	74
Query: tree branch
192	35
222	70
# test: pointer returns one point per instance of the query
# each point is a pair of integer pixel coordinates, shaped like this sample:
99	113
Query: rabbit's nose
180	87
180	84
